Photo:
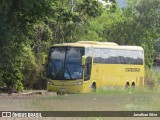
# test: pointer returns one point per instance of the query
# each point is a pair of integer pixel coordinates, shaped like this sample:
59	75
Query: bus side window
87	71
88	65
139	57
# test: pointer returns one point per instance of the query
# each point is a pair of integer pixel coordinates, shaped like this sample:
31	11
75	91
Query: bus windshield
65	63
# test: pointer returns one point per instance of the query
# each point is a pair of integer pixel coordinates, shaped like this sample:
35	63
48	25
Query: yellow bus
88	65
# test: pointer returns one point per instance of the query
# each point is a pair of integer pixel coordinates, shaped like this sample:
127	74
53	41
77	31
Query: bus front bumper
65	89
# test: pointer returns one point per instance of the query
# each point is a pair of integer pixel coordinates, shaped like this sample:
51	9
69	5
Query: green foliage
19	85
33	72
137	24
17	18
157	45
151	79
71	20
42	36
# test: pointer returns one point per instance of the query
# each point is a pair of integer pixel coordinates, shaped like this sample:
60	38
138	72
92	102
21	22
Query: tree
17	18
137	24
68	19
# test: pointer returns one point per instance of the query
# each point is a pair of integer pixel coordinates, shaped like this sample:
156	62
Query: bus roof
121	47
96	44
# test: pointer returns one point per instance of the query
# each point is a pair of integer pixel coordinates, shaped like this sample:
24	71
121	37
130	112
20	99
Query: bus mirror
44	57
83	60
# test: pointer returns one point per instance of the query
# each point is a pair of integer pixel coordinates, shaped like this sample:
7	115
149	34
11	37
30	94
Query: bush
151	79
33	71
19	86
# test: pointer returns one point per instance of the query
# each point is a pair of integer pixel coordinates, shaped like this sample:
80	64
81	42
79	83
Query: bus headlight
78	83
50	83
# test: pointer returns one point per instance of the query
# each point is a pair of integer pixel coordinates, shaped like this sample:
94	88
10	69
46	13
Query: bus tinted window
64	63
112	56
128	56
89	51
97	55
121	57
139	57
115	56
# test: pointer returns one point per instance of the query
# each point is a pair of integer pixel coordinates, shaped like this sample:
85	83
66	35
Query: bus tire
133	84
93	87
127	85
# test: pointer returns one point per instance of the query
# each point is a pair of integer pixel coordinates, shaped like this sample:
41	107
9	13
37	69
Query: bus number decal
132	69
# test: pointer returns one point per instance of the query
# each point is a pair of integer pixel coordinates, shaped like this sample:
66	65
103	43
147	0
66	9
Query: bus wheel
93	87
127	85
133	84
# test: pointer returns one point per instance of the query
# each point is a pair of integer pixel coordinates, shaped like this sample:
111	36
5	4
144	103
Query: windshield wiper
69	72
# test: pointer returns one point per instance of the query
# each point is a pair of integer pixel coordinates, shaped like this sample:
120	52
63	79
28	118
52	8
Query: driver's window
88	65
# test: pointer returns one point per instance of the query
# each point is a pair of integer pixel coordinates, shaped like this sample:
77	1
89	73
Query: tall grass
152	79
112	90
130	90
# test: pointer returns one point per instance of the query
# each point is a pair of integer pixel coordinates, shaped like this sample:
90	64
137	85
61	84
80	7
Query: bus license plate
62	89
